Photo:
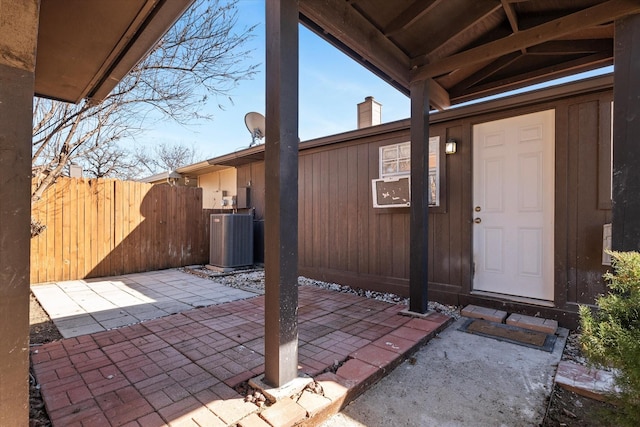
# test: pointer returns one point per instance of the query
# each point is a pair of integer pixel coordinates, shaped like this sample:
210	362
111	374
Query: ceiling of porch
470	48
86	47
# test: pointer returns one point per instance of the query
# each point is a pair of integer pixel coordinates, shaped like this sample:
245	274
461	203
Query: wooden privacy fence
106	227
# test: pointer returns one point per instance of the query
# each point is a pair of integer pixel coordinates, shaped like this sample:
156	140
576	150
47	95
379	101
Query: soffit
85	47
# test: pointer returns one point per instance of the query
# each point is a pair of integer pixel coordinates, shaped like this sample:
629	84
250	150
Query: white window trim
403	156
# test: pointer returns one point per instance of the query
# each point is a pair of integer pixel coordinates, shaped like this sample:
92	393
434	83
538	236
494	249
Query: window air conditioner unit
391	192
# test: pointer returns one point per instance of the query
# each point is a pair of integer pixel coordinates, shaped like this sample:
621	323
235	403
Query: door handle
477	220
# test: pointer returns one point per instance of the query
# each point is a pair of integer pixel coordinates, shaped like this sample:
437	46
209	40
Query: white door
513	200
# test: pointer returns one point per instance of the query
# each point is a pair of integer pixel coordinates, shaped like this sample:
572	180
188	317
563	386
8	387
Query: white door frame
513	203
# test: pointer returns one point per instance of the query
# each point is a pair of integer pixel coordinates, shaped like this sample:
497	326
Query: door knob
477	209
477	220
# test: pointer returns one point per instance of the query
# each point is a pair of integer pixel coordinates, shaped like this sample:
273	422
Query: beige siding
215	184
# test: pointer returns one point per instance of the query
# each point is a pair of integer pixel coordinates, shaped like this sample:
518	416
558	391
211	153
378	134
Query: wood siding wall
102	227
343	239
586	169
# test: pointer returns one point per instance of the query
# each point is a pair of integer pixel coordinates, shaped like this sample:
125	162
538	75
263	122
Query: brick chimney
369	113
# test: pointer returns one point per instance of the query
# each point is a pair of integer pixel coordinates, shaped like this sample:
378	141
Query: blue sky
330	86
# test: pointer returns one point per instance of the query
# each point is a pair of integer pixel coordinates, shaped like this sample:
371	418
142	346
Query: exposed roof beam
344	23
604	31
570	47
555	71
513	19
511	15
466	20
493	25
411	14
596	15
454	78
487	71
438	96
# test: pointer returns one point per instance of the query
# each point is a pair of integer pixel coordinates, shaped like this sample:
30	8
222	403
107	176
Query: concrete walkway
80	307
460	379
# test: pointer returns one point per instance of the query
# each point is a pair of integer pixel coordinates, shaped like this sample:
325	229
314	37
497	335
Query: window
395	161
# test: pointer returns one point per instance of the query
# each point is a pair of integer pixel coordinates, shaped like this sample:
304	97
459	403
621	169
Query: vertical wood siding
102	227
344	239
588	131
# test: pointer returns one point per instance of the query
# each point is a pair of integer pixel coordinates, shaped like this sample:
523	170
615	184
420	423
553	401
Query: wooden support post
17	64
626	136
419	225
281	207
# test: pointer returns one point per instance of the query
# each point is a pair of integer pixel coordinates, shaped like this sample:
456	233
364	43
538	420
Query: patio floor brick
181	369
375	355
395	344
284	413
253	420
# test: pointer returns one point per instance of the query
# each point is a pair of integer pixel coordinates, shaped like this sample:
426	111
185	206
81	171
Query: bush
611	334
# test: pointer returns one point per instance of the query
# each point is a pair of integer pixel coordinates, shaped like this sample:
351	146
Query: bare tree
204	54
165	157
109	161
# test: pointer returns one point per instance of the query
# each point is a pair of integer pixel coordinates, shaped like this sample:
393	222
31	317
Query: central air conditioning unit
231	240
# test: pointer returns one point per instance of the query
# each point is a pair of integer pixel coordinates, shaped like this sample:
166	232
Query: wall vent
231	240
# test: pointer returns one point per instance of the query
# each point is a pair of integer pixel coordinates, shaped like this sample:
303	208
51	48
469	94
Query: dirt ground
564	407
570	409
41	331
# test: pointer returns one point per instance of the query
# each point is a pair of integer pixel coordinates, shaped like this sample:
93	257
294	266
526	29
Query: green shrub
611	334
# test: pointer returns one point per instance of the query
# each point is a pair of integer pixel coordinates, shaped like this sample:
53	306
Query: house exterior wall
343	239
586	170
214	184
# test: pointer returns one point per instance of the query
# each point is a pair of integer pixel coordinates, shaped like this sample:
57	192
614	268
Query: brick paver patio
181	370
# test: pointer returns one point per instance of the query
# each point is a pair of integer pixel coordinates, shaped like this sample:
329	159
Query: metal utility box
231	240
243	198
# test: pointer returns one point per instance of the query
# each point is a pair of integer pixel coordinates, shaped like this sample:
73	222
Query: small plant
611	334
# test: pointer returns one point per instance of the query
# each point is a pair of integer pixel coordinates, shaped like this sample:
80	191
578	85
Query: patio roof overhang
470	49
86	47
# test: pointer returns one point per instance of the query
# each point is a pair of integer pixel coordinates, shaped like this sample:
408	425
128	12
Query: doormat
509	333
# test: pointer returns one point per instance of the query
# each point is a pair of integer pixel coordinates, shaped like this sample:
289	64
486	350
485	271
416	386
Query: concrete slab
460	380
80	307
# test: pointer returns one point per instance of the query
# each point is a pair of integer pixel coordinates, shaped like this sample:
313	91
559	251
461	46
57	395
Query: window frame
402	160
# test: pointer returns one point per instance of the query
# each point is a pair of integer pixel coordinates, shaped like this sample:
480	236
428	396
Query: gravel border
252	280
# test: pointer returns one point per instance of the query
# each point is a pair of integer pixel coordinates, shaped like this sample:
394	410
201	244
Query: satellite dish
256	124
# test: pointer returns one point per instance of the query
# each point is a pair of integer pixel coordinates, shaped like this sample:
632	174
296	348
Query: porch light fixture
450	147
